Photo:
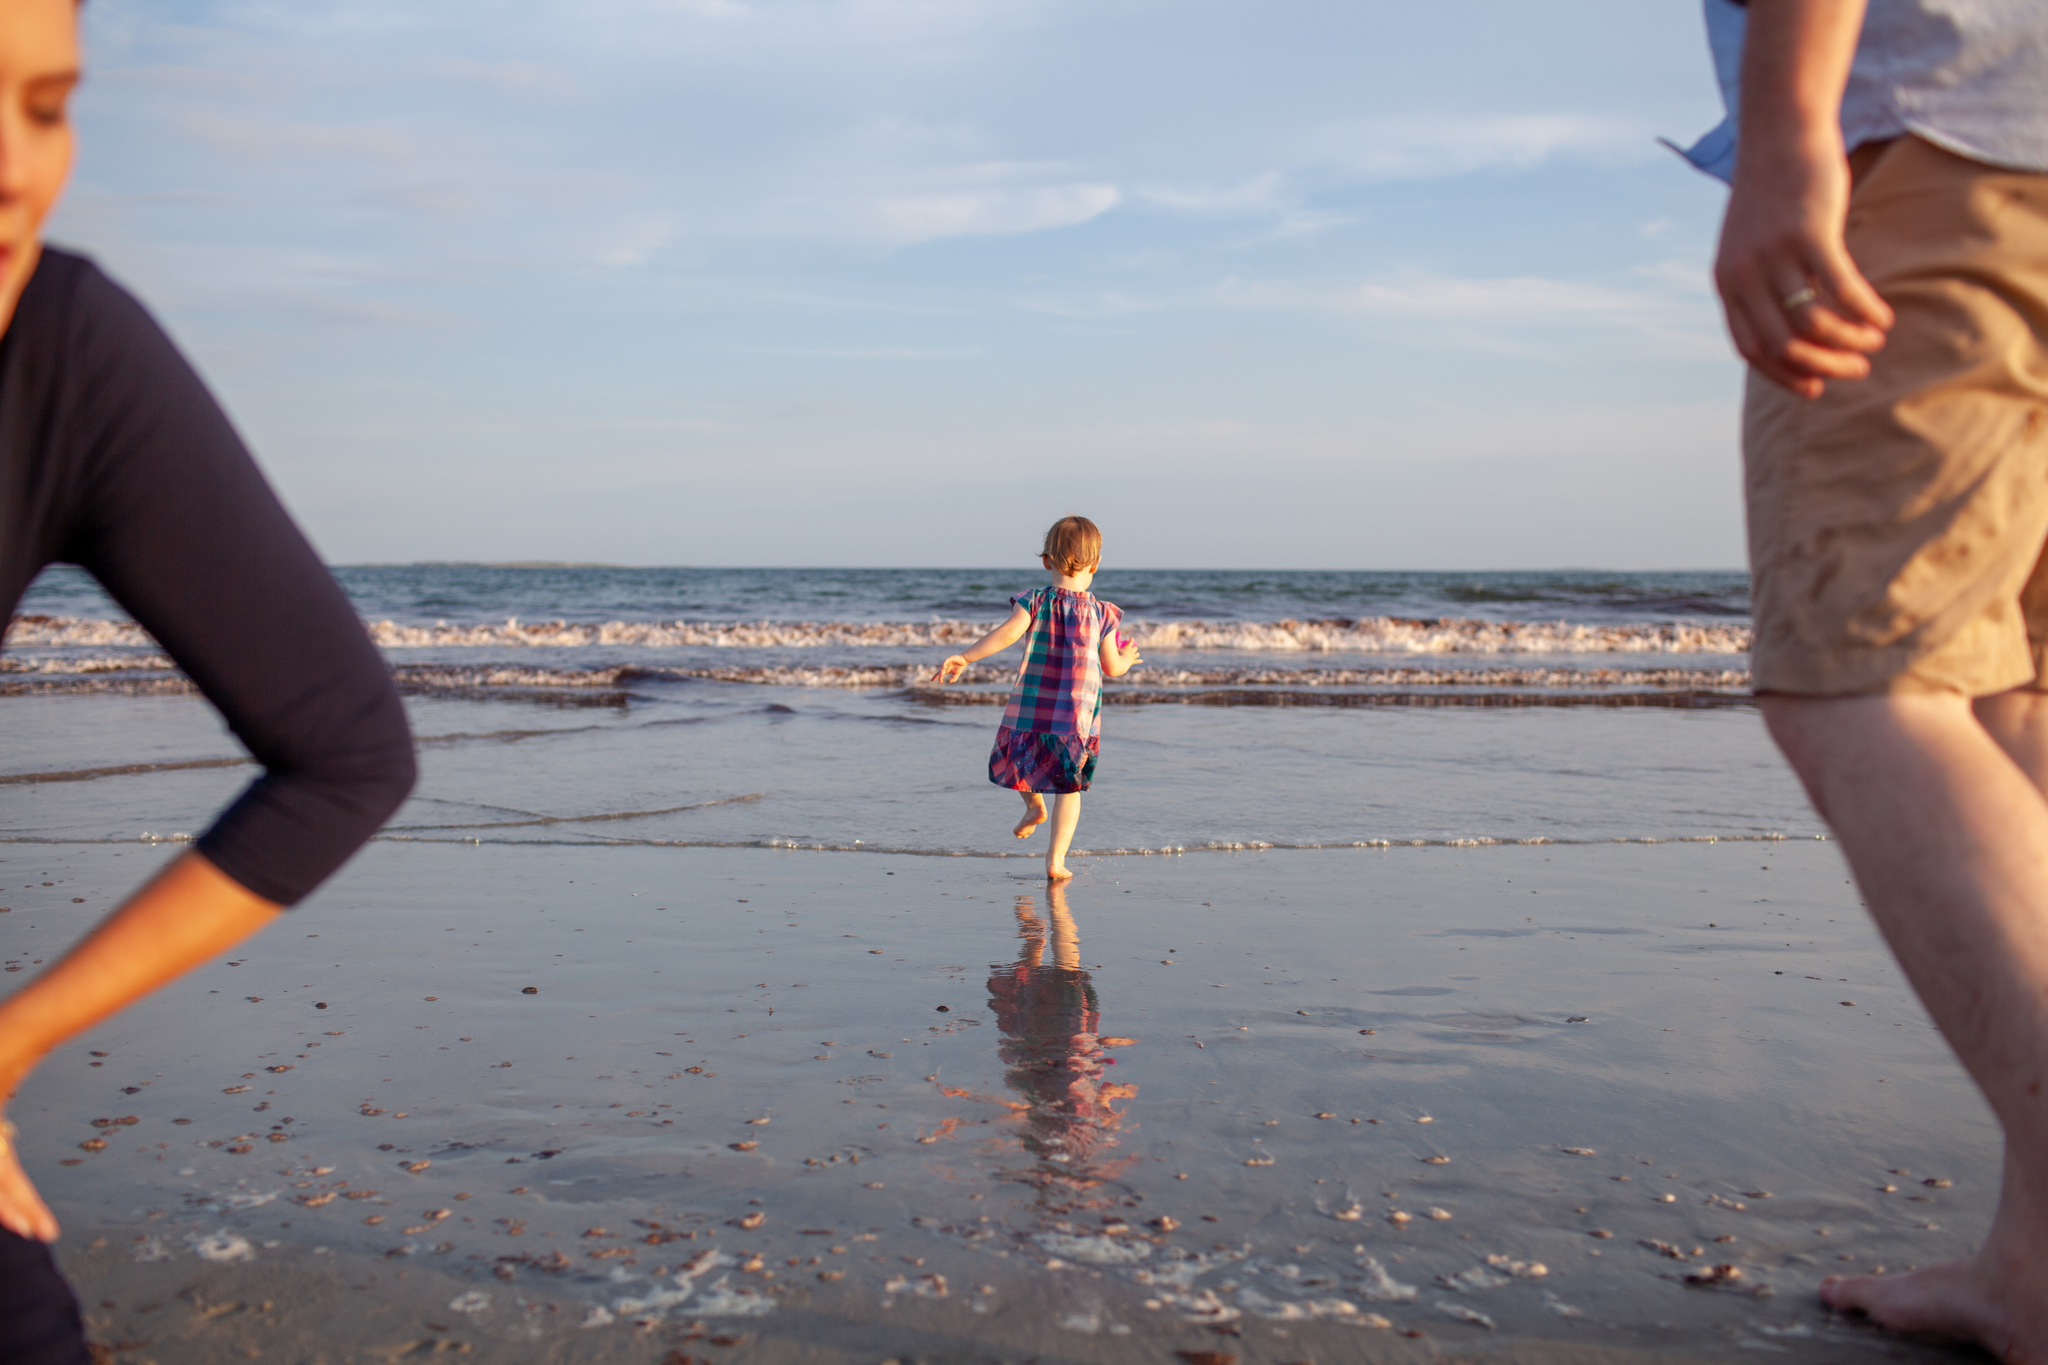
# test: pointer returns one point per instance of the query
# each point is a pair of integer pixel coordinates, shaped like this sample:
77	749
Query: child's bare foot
1034	816
1967	1300
1057	872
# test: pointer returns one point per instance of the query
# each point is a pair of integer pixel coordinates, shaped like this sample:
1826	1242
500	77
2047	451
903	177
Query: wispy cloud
900	183
859	353
1416	294
1258	195
1336	157
635	241
1425	147
928	216
521	79
274	140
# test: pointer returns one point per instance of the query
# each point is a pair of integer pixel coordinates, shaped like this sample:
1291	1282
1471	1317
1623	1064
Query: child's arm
1118	655
995	642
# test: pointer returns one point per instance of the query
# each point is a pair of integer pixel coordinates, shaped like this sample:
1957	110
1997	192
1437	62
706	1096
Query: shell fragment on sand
1464	1314
1377	1286
1094	1250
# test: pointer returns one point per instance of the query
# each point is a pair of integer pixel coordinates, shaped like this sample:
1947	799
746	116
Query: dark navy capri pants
39	1322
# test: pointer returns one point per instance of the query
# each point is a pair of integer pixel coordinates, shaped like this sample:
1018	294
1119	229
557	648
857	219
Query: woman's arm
173	517
995	642
186	914
125	466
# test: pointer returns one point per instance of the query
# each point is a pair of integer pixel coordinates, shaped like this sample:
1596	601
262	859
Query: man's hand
1799	309
22	1210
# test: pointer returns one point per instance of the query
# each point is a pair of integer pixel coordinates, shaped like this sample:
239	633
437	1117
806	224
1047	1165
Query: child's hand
953	667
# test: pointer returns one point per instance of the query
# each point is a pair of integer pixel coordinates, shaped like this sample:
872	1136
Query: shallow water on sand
1183	1105
850	770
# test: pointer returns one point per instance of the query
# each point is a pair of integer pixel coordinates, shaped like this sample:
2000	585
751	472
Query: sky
1252	283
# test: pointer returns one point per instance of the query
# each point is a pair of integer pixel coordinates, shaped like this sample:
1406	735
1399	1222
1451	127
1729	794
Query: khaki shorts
1896	524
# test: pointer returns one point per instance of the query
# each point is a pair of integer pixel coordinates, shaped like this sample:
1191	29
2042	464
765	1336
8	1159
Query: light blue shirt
1967	75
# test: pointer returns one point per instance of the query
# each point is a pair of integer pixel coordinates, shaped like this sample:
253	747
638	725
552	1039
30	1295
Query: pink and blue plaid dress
1049	738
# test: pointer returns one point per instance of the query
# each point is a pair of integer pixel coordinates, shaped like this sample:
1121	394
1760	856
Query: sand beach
1616	1101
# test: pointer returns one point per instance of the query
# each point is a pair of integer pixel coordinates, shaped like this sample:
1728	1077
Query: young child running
1049	740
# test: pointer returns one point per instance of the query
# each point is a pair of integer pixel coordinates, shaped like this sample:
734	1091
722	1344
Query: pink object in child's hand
1123	641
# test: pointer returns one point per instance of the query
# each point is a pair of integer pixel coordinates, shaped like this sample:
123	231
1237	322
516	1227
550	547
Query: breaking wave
917	676
1367	635
109	663
1238	686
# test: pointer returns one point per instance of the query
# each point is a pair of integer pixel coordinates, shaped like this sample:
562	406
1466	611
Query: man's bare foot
1960	1299
1057	872
1034	816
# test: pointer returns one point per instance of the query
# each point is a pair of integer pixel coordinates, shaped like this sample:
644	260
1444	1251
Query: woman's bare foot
1034	816
1057	872
1966	1300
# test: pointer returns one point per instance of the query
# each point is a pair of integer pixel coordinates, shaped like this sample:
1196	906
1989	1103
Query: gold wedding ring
1799	298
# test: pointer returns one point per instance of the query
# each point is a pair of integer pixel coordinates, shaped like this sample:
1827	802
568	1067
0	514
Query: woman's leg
1066	813
1034	814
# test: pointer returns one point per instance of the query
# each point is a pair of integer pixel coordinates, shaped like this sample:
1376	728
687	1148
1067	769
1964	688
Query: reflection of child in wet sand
1049	1016
1049	739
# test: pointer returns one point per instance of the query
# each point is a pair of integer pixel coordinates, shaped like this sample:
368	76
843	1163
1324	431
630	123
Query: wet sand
1551	1103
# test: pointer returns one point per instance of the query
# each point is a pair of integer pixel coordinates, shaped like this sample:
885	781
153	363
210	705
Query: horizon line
975	568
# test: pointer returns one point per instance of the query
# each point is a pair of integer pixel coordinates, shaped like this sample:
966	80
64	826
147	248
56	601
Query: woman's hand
22	1210
953	667
187	913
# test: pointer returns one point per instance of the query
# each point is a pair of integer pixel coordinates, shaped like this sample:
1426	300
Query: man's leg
1947	835
2019	722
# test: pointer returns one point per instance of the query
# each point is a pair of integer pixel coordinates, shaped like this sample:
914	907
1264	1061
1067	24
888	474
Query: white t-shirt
1967	75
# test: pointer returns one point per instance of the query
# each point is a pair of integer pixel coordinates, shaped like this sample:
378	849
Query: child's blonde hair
1073	544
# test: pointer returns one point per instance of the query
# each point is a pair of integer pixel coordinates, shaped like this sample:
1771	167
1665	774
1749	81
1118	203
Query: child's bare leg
1066	813
1034	814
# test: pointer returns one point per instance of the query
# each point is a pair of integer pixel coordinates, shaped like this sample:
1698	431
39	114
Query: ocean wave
117	687
73	632
920	675
1239	686
1168	850
924	851
1446	635
1367	635
1248	696
105	663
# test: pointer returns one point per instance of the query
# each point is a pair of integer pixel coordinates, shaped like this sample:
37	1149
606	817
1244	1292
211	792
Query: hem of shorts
1883	679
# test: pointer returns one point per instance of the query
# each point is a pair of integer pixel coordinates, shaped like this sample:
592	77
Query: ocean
599	705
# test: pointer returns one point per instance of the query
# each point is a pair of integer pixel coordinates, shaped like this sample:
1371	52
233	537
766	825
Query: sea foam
1365	635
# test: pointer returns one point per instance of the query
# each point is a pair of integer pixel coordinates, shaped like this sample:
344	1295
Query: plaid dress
1049	739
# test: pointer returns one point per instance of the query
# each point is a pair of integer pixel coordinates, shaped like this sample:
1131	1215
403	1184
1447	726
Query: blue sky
1274	283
